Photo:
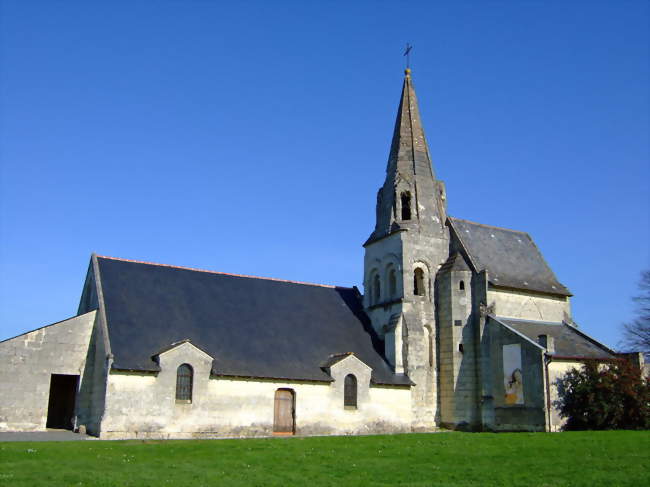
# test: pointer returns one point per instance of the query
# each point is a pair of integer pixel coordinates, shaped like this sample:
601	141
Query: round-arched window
392	283
419	289
184	382
350	391
376	289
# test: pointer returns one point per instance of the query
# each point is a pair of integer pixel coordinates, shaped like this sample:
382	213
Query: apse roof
252	327
511	257
569	341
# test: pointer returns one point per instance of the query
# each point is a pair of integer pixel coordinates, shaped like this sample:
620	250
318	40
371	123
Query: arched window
350	391
392	283
418	282
405	198
184	381
376	288
461	286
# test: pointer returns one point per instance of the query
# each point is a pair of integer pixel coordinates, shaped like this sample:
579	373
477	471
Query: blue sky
251	137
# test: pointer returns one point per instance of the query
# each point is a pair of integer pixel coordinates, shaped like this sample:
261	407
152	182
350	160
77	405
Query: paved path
49	435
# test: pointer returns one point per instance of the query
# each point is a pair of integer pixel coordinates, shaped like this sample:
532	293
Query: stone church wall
529	306
92	392
457	352
145	406
27	363
556	370
518	397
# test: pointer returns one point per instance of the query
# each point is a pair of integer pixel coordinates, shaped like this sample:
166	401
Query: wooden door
284	412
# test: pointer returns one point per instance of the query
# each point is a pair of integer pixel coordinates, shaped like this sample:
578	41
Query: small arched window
418	282
392	283
461	285
405	198
376	289
184	382
350	392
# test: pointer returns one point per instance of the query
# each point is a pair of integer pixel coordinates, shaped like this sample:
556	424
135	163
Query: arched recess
391	280
184	383
406	210
420	279
350	391
373	281
376	288
392	277
404	205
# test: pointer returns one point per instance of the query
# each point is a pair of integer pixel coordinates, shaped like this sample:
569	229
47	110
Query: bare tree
636	333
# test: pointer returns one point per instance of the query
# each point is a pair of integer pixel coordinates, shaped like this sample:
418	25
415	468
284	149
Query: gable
252	327
510	257
183	347
345	360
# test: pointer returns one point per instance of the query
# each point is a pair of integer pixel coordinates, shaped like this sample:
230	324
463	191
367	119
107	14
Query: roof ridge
487	226
541	322
222	273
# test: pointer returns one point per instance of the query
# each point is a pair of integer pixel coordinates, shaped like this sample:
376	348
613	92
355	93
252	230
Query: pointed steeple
402	257
411	197
409	152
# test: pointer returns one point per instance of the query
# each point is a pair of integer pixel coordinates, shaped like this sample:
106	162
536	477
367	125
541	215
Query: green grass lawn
586	458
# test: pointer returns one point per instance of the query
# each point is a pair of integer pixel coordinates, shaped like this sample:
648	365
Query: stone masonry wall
420	315
458	378
529	306
27	363
144	406
531	415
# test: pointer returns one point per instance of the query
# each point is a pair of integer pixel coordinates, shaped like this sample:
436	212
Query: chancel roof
511	257
252	327
569	341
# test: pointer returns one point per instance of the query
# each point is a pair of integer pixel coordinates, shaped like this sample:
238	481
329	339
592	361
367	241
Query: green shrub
600	396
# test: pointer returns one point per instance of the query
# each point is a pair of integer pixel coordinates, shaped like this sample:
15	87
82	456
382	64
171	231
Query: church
461	325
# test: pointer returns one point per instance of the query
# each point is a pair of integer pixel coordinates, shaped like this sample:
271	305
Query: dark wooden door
60	408
284	412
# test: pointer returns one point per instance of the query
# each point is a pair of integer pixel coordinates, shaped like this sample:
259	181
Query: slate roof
252	327
511	257
455	262
569	341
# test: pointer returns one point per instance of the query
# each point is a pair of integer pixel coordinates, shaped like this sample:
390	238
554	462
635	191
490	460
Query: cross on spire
407	53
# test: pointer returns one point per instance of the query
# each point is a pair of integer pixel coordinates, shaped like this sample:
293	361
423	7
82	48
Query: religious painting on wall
512	376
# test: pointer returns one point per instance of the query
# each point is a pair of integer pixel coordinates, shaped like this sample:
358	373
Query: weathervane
407	53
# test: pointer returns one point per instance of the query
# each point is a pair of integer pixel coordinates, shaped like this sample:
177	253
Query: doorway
284	414
60	407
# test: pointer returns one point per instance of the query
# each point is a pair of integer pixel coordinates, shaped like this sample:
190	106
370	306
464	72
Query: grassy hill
455	459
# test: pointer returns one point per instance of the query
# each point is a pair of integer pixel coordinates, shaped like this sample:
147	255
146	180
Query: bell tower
403	254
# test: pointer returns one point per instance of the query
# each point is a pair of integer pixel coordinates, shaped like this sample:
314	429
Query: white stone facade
27	363
144	405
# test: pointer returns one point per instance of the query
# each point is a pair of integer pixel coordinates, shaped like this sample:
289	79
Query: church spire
411	197
402	257
409	152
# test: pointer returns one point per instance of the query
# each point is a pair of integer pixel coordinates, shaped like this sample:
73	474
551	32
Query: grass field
576	459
